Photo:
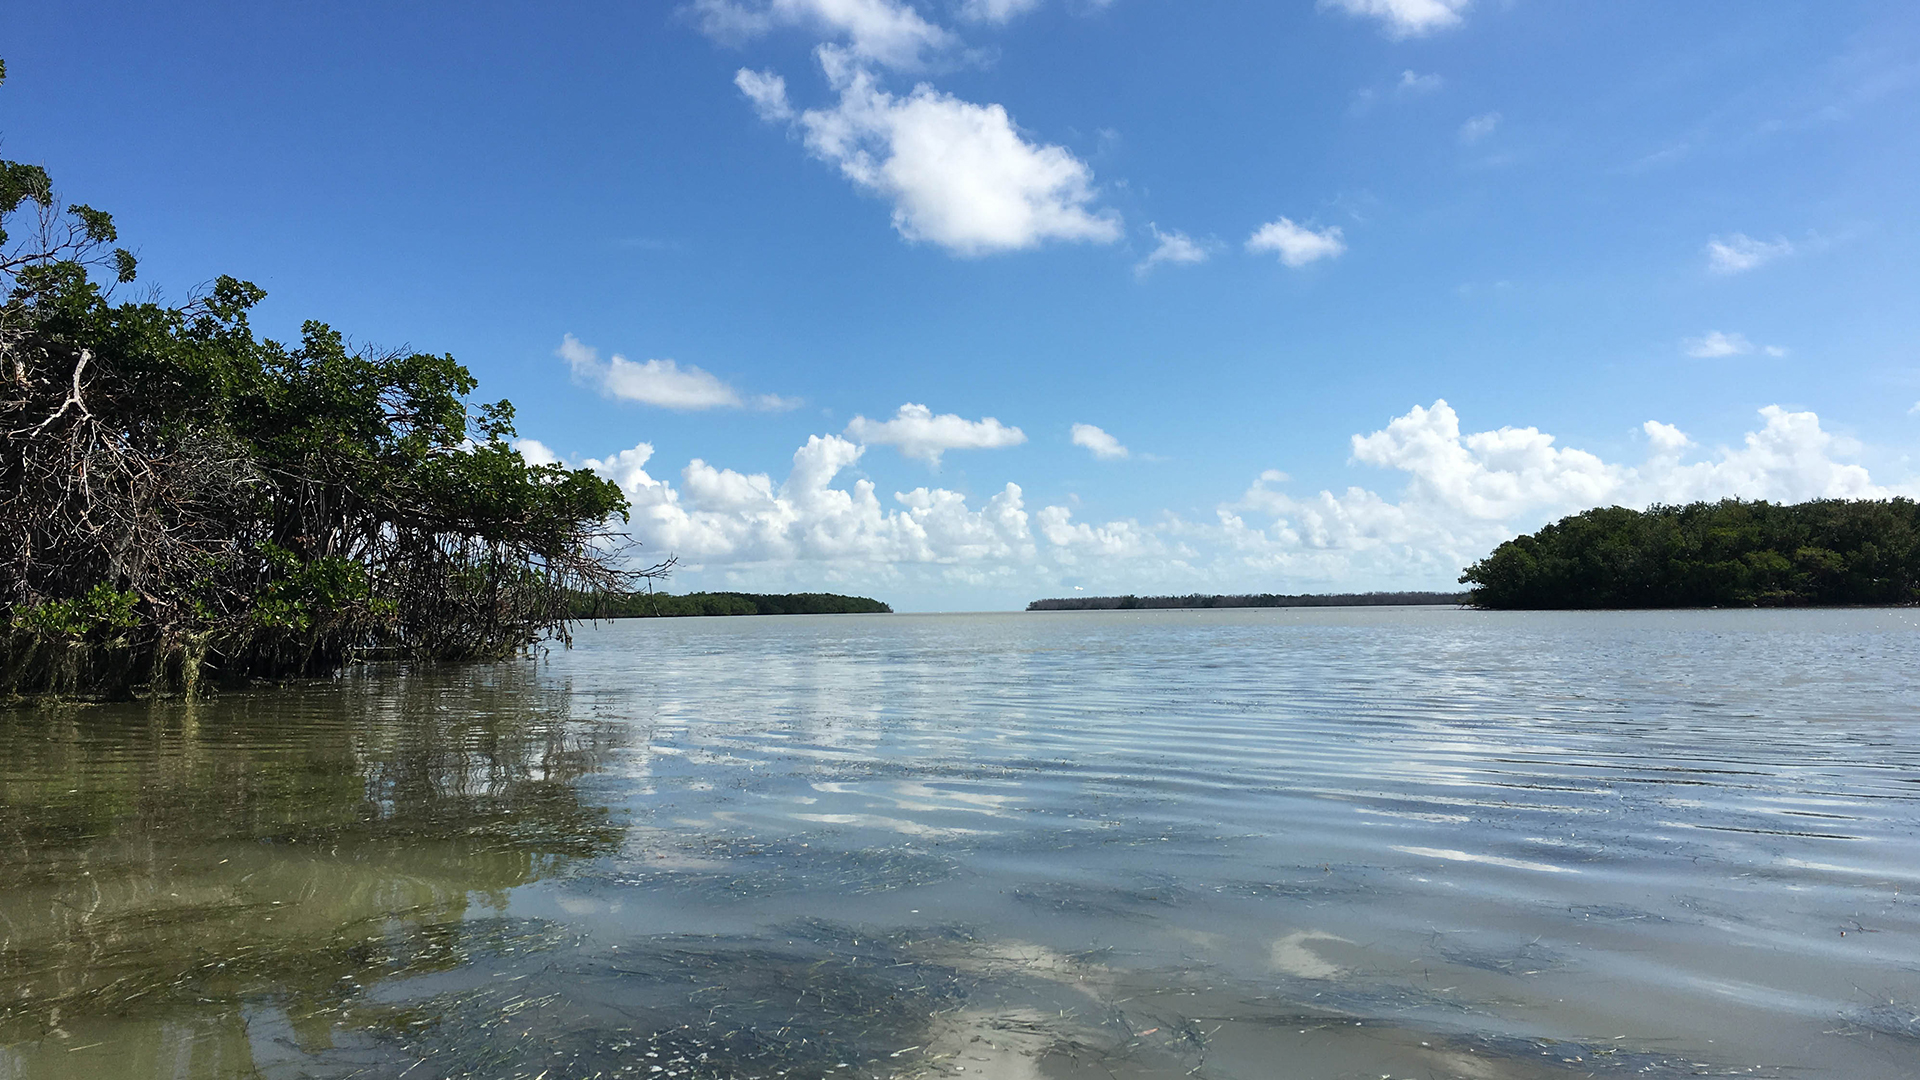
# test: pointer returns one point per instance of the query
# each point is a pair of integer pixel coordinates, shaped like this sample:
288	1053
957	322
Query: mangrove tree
181	498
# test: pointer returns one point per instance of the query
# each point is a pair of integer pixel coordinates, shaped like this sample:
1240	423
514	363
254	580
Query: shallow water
1275	843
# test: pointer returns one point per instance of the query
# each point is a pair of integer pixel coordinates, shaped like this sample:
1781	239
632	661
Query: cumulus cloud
1459	493
1466	493
1172	247
658	382
1478	128
1665	438
918	433
1297	245
879	31
717	515
1790	459
1116	540
1489	474
1404	18
536	452
958	174
1103	445
1738	253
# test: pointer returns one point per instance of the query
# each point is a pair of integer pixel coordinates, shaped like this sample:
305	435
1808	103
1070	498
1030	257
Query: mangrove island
1730	553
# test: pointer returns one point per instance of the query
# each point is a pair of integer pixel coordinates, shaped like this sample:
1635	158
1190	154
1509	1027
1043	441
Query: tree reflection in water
187	886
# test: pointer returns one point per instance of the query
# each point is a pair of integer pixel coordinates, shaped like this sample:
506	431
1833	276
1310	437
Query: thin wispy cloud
1410	84
662	383
1738	253
1404	18
766	92
1297	245
1170	247
1715	343
996	11
883	32
1414	83
1478	128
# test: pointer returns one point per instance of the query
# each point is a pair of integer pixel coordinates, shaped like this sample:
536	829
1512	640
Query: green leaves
253	509
1727	554
19	183
98	224
103	609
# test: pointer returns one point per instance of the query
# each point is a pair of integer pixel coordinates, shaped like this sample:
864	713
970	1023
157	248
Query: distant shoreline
1259	600
659	605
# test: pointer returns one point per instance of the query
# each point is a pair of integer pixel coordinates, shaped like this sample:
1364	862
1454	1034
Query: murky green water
1319	843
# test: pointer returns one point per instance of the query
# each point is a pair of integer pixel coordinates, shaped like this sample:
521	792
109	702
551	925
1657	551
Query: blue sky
867	263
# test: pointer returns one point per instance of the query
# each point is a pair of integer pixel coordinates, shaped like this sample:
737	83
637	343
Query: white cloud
775	403
536	452
720	516
1714	343
918	433
996	11
1414	83
1103	445
1478	128
1488	474
767	92
958	174
1467	493
1173	247
1665	439
659	382
1790	459
654	382
1461	494
880	31
1915	410
1297	245
1739	253
1405	18
1116	540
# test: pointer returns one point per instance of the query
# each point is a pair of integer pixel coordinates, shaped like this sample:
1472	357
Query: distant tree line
1730	553
651	605
180	499
1259	600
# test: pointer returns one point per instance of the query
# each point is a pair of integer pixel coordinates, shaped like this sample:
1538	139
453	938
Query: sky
963	303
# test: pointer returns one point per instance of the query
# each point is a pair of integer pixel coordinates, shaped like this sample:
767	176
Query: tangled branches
179	499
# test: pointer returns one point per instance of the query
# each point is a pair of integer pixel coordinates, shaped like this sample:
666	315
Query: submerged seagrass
180	499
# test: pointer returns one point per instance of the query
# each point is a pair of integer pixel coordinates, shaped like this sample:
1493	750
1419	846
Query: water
1233	844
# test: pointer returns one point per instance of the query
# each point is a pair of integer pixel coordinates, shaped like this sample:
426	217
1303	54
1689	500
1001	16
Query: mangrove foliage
182	499
1730	553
